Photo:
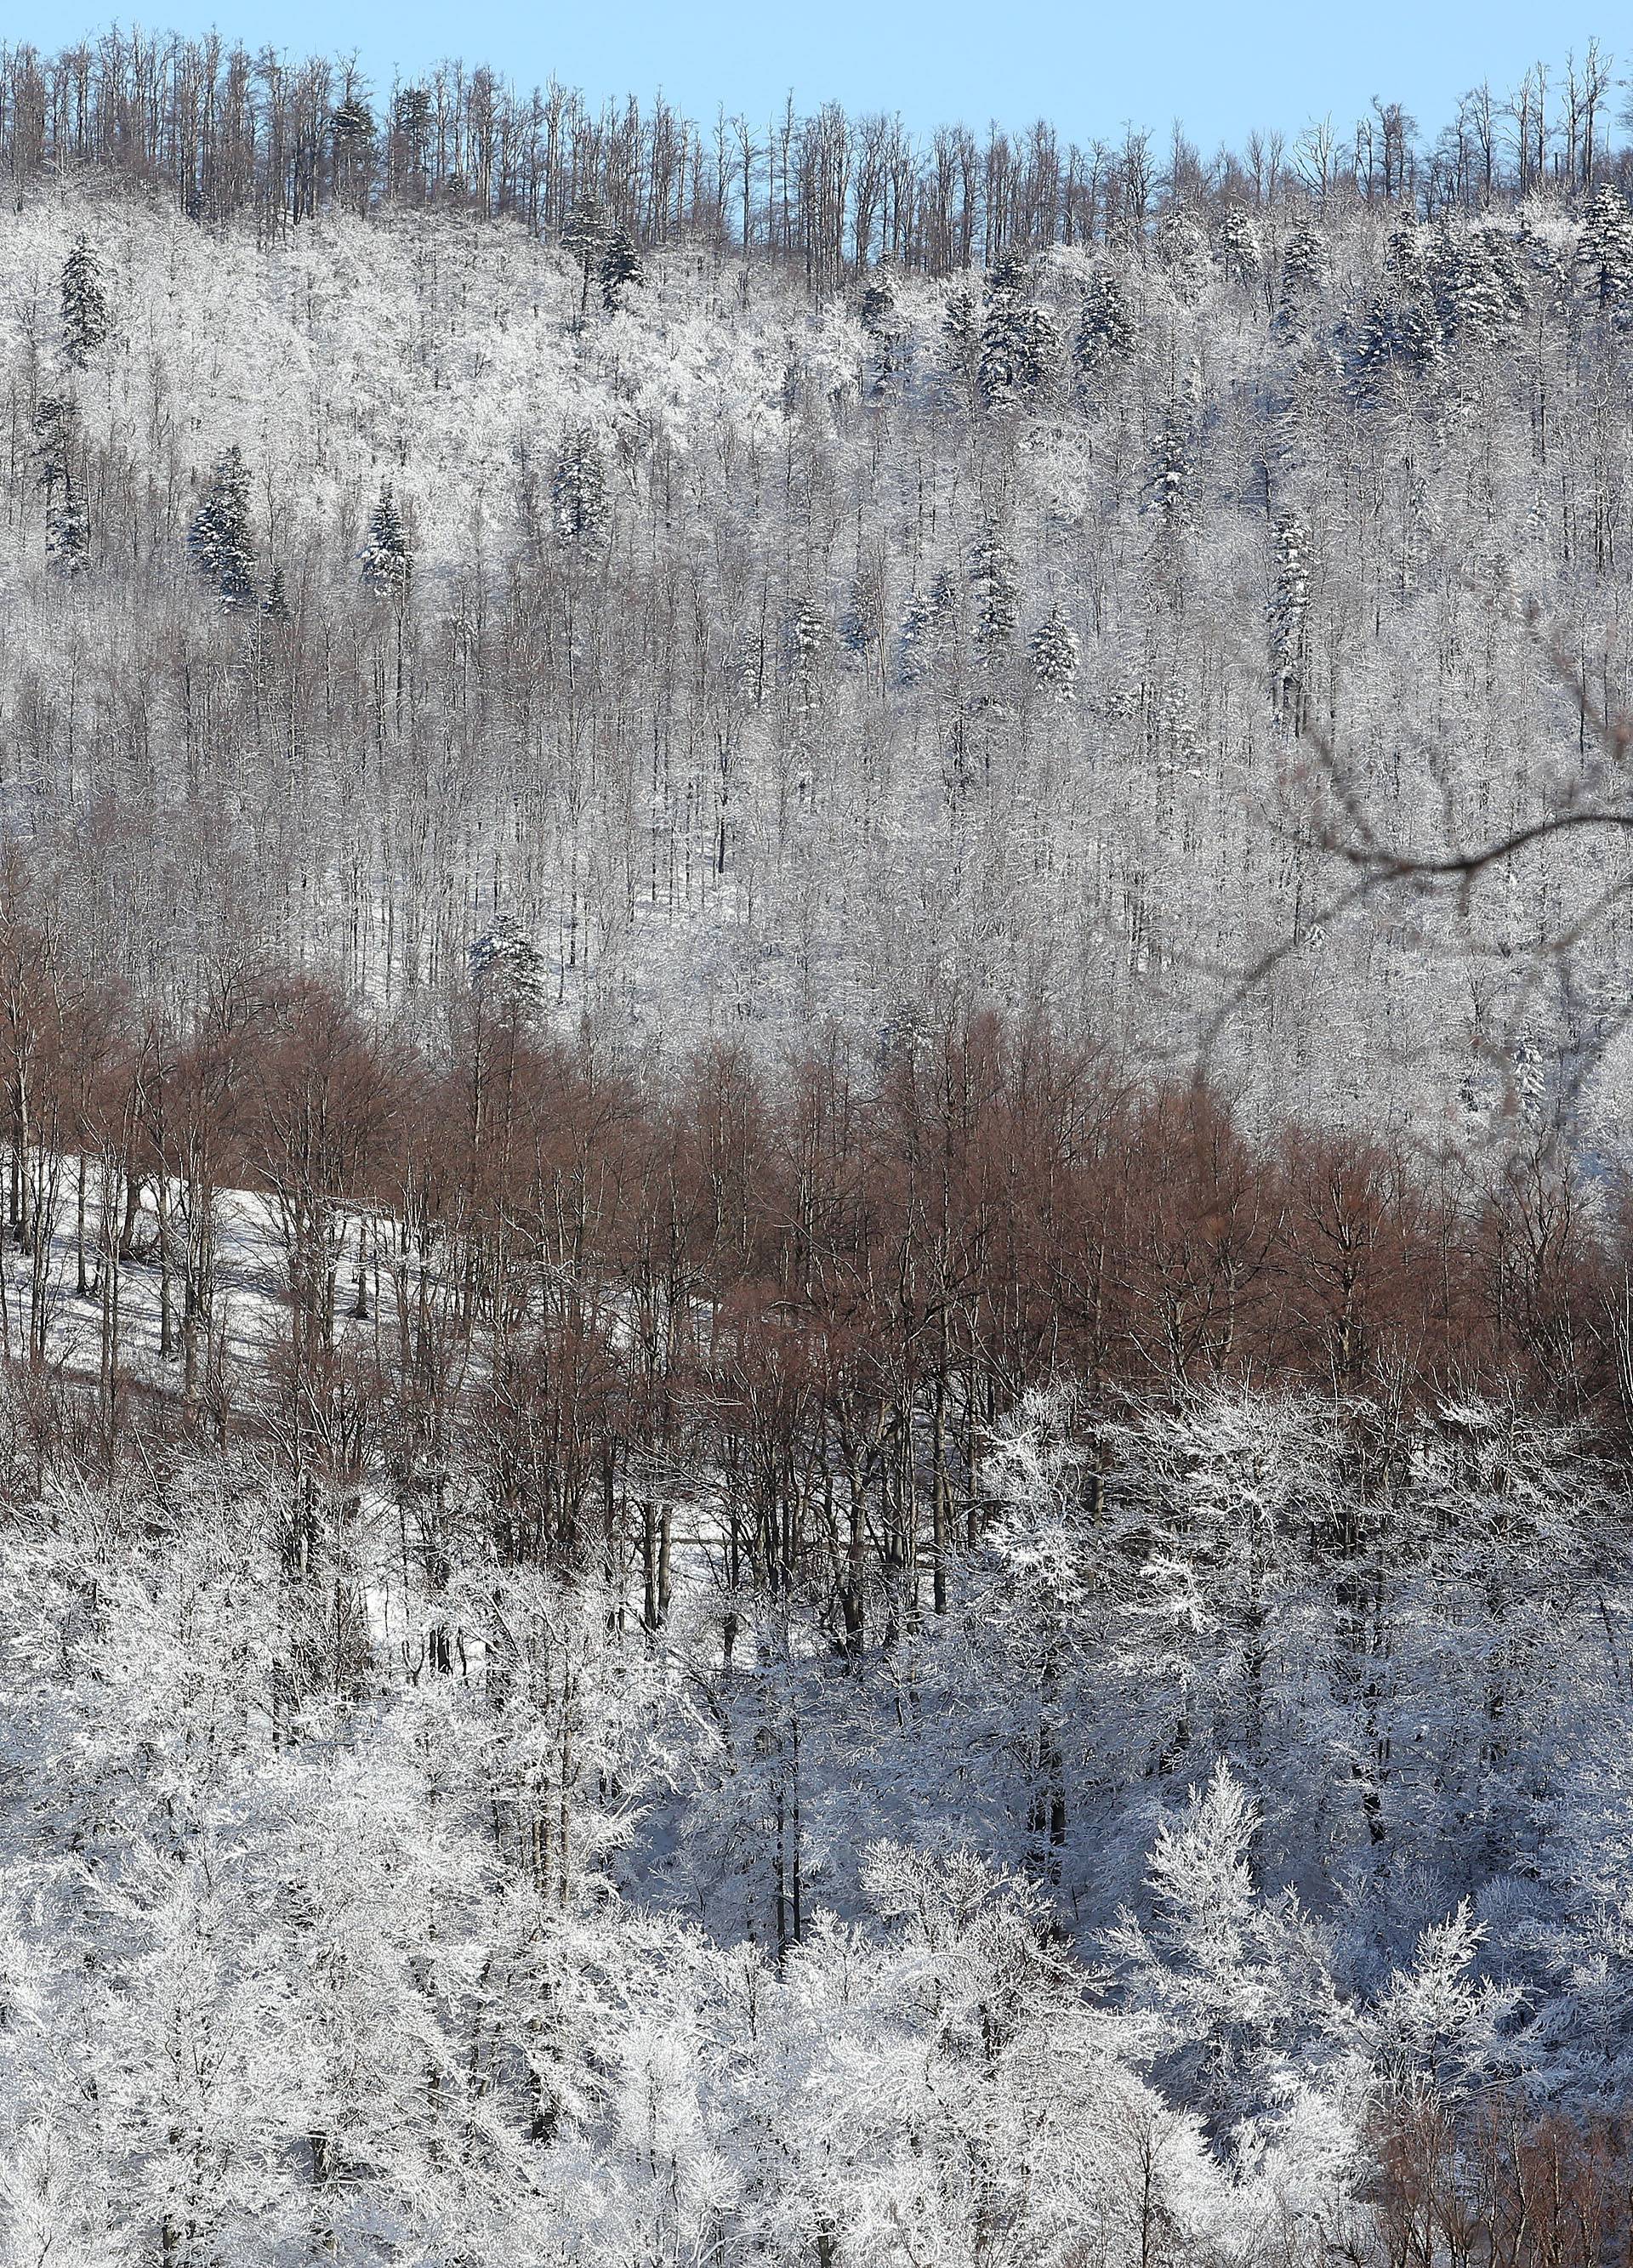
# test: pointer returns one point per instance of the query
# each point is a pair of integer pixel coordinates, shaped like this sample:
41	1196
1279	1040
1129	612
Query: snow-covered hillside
1057	636
816	1350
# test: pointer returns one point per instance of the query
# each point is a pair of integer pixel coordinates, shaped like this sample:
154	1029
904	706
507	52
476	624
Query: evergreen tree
1019	350
384	558
1238	244
411	119
68	531
878	320
995	592
67	522
583	238
1397	336
1475	284
219	536
1168	473
913	639
959	324
805	643
961	346
1406	259
877	304
55	424
353	124
1039	361
1304	271
1002	350
1055	651
579	489
1289	600
620	266
863	625
275	604
506	967
1605	250
1105	333
1181	249
85	307
902	1033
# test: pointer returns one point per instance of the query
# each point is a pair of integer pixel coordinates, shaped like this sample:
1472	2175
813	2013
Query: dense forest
816	1334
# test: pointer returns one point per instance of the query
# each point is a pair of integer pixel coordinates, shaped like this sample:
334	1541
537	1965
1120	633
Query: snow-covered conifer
1475	284
1604	253
1105	334
385	562
68	531
220	538
84	305
579	490
878	310
1303	272
584	238
806	645
1289	600
1169	464
1236	245
994	591
1056	651
620	266
506	967
1018	350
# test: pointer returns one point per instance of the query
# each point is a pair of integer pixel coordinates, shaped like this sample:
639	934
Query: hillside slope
771	658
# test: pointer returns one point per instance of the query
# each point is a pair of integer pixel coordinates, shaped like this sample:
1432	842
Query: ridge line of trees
229	133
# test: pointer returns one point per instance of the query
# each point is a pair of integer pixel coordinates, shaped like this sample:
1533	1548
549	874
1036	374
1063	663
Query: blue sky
1221	69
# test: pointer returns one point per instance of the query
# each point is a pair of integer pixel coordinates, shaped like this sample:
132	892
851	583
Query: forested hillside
817	626
816	1353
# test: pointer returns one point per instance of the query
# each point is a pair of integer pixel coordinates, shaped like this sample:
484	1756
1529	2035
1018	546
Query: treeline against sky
228	132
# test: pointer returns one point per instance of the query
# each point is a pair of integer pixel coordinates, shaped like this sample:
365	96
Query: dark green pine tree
1475	283
806	645
68	532
1399	336
410	122
913	640
1289	604
878	320
85	306
67	521
1105	333
384	558
878	304
579	490
55	424
1406	260
620	266
995	590
1020	350
960	346
1056	651
584	238
219	536
1304	271
507	968
1170	465
1236	244
1605	250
